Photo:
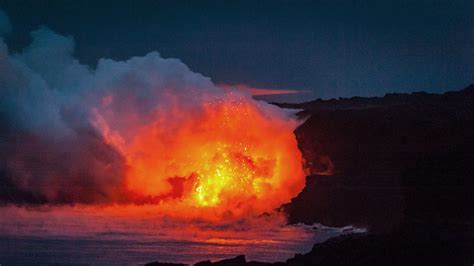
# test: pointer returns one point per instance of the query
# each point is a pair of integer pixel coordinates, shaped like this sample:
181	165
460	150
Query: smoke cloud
49	151
117	133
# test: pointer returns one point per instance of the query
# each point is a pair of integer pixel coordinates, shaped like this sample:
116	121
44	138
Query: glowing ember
228	154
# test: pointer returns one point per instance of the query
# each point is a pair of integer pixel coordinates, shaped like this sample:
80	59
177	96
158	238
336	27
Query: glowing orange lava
231	155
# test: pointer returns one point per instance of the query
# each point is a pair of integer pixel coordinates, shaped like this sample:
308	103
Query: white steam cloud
49	147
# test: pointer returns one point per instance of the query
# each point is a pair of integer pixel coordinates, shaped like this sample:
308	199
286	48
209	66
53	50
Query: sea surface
85	236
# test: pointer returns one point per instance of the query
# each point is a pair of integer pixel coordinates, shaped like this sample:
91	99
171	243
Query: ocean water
85	236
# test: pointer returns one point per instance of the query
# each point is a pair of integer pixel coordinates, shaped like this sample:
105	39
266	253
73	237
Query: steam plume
129	131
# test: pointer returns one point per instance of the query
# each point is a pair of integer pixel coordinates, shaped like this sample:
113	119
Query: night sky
331	48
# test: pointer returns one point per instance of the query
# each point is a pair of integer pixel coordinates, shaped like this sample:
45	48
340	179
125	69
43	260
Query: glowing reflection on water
135	234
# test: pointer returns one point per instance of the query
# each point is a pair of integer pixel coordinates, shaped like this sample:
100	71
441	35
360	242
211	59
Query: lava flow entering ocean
147	130
229	154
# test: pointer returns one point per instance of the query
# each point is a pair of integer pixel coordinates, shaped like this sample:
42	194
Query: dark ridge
393	165
390	99
164	264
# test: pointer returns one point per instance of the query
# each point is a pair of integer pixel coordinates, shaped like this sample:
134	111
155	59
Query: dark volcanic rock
404	159
401	165
237	261
164	264
388	249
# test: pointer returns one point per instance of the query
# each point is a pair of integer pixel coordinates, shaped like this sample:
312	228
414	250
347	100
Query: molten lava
230	154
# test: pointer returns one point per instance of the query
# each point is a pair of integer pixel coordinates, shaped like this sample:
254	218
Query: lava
230	154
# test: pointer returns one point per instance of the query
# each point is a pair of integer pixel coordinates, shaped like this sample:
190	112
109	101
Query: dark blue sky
332	48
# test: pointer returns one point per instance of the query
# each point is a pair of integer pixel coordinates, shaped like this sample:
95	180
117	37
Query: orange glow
259	91
230	155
